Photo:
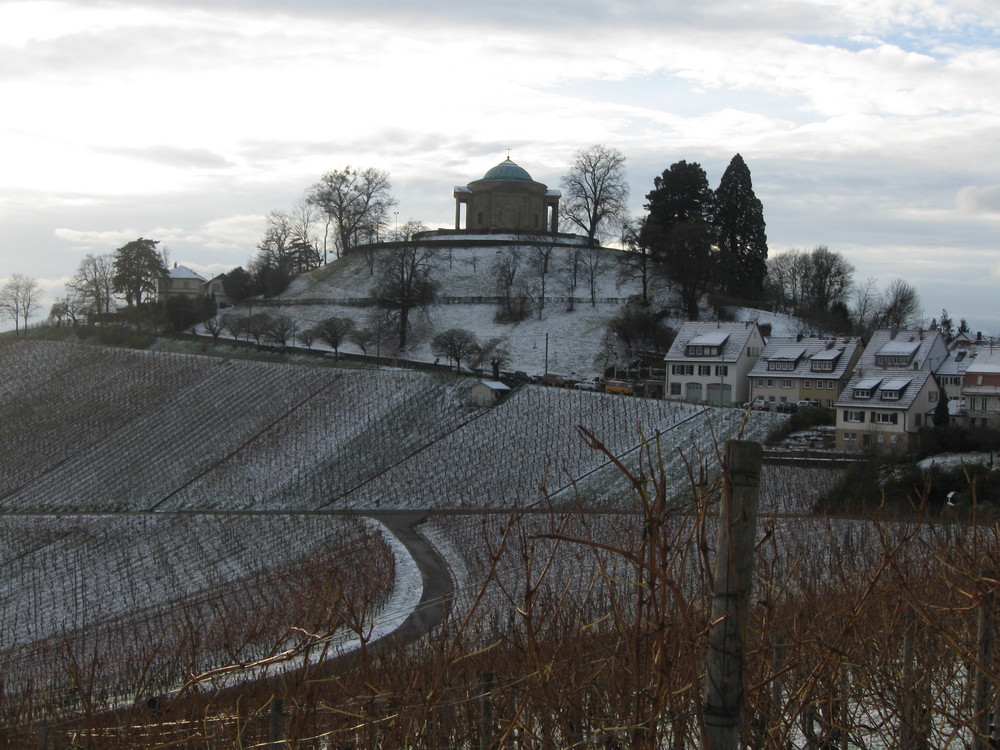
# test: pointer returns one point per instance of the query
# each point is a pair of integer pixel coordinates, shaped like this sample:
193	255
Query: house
981	389
215	289
893	392
487	392
180	281
804	369
709	362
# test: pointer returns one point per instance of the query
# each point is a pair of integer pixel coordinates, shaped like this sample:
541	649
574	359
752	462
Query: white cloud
979	200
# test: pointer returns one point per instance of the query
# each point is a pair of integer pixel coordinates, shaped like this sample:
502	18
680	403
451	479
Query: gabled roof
803	351
987	360
183	272
909	387
732	337
927	348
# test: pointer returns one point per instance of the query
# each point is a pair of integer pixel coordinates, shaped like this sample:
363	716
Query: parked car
619	386
786	407
809	404
760	404
551	378
522	376
589	385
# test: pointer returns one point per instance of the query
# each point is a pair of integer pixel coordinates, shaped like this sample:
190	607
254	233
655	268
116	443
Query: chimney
893	332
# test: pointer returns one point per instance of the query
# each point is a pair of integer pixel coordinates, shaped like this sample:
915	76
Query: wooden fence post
486	711
730	605
981	688
277	723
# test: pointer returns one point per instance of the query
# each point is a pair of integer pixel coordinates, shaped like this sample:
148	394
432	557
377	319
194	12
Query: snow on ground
554	338
955	460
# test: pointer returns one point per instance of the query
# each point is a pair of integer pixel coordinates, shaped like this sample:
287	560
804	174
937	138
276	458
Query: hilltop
571	331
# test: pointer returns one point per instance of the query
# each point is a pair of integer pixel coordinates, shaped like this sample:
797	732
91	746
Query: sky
869	126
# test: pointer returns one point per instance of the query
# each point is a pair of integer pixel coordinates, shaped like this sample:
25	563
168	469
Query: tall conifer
741	236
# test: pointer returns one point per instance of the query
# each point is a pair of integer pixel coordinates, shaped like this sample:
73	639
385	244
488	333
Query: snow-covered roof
494	385
896	384
926	350
711	338
988	360
183	272
731	337
899	348
908	388
866	384
803	350
792	353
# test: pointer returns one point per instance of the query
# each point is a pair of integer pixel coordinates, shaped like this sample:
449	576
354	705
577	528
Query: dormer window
864	388
822	365
703	351
892	390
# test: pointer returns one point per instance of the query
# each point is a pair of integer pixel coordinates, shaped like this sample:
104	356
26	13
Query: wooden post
277	723
486	712
982	701
730	605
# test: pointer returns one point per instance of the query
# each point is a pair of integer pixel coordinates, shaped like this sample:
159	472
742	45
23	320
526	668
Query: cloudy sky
869	126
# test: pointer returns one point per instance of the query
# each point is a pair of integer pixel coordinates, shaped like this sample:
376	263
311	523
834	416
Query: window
760	382
682	369
786	383
853	416
770	383
704	369
780	365
888	395
722	371
829	403
675	389
807	384
862	393
819	385
880	418
822	365
850	436
932	396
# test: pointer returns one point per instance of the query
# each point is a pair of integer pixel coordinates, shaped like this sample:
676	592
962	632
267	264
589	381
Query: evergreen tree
680	231
137	269
742	240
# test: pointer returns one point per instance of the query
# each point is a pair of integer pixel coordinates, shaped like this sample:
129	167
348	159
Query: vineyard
187	563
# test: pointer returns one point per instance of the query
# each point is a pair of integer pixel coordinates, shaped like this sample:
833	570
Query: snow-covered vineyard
180	432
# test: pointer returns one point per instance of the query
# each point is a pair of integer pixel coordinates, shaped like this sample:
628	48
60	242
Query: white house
893	392
709	362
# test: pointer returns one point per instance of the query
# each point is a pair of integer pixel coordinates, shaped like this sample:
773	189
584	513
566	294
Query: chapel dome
508	171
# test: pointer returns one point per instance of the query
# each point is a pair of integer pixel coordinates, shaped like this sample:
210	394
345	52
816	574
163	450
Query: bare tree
636	263
595	263
595	190
540	265
455	344
900	305
19	299
506	272
93	283
334	332
405	282
281	330
866	304
570	272
355	202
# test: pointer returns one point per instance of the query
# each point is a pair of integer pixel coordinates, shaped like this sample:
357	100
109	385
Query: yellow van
619	386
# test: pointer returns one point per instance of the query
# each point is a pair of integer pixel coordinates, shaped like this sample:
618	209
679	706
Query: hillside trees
595	191
815	284
239	284
285	251
515	304
455	344
739	219
19	299
540	265
355	202
680	233
639	332
137	269
900	306
404	282
636	263
334	331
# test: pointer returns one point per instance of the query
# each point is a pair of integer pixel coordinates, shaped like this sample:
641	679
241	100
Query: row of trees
818	285
702	239
19	299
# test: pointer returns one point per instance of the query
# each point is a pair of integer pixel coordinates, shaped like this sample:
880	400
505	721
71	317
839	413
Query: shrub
803	419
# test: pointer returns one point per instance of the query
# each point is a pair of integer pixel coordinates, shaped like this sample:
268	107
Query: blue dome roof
508	171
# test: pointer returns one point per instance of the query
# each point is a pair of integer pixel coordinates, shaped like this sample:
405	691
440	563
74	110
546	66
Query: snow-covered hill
559	337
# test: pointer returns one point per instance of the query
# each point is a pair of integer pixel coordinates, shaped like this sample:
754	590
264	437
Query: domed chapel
506	199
